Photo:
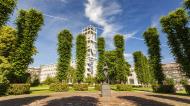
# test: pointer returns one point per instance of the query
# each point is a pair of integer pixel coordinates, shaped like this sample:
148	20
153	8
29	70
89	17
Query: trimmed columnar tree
122	73
175	25
64	53
187	4
7	47
142	68
7	41
152	41
28	24
101	49
6	8
110	59
80	57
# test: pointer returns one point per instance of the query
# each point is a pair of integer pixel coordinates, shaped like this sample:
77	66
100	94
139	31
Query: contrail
60	18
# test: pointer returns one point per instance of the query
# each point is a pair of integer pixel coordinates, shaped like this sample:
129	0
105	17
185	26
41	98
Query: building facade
91	56
47	71
132	78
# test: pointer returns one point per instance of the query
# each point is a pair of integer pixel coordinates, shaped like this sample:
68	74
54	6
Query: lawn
41	89
44	89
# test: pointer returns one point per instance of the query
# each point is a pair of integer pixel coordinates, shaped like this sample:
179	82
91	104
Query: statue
105	69
106	91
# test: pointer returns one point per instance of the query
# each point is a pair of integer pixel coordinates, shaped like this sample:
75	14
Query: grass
44	89
41	89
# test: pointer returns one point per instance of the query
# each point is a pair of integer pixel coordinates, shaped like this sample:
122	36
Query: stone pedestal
106	91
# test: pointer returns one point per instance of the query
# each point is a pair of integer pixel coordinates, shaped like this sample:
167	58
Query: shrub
124	87
90	80
3	88
35	82
98	87
167	87
184	82
80	87
59	87
187	89
50	80
163	88
18	89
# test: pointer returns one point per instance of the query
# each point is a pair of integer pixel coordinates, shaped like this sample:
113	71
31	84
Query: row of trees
176	26
17	45
118	67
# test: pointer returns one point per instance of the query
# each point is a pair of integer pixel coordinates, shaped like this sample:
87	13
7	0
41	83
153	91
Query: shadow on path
74	101
183	100
21	101
143	102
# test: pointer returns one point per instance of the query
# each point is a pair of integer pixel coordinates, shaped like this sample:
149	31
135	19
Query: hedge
187	89
124	87
98	87
18	89
3	88
164	88
80	87
59	87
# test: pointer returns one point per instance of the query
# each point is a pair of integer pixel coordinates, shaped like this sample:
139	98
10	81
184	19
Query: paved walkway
94	99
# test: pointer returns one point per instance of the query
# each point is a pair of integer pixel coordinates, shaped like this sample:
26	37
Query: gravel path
94	99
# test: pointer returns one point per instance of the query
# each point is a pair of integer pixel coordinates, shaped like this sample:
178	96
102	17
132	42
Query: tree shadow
21	101
183	100
143	102
74	101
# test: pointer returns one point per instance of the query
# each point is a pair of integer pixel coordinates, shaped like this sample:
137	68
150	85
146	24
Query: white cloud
98	13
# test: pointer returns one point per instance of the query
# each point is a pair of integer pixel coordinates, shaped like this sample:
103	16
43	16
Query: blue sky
128	17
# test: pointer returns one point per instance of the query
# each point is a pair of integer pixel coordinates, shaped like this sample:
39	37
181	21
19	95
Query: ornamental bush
187	89
167	87
18	89
80	87
3	88
124	87
59	87
98	87
50	80
163	88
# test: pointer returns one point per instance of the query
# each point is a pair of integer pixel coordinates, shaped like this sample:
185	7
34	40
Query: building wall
91	56
47	70
132	78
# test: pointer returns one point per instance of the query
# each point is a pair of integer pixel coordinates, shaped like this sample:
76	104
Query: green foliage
168	86
187	4
71	75
18	89
187	89
98	87
142	70
121	69
80	57
35	81
59	87
110	59
90	80
3	88
152	41
64	52
124	87
163	88
80	87
28	24
6	8
184	82
175	25
7	41
101	49
50	80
